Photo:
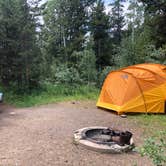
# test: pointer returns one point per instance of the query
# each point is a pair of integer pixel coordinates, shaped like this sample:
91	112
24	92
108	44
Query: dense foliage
19	51
155	148
77	42
99	27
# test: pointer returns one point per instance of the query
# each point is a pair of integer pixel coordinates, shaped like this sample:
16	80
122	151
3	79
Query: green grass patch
150	123
50	94
155	148
154	127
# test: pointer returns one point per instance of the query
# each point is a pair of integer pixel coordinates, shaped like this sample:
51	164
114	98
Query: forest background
66	48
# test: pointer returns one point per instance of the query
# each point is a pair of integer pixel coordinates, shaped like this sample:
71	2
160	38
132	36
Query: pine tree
135	17
156	20
117	21
8	35
18	48
99	27
65	28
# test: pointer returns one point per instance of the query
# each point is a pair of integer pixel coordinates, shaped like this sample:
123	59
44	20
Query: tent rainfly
138	88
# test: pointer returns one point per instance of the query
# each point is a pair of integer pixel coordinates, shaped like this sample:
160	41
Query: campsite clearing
44	136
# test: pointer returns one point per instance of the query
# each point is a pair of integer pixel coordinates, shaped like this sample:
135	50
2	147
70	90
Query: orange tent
138	88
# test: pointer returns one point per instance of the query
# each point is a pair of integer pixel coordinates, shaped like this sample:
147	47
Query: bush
104	73
133	50
81	71
155	148
156	55
87	66
66	75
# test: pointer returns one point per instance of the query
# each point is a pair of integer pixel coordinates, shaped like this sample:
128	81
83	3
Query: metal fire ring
83	137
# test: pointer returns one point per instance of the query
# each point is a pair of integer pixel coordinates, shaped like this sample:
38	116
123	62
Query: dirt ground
43	136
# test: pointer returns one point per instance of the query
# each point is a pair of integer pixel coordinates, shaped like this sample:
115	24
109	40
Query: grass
150	123
154	127
51	94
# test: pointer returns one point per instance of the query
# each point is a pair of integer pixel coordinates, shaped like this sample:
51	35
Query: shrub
133	49
67	75
156	55
87	66
155	148
81	71
104	73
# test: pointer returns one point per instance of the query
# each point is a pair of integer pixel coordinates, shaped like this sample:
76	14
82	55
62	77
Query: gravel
43	136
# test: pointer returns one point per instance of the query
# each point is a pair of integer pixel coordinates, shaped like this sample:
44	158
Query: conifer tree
65	28
117	21
100	27
18	48
156	20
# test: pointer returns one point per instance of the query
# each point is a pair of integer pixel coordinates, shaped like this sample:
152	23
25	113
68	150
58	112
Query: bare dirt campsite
43	135
59	59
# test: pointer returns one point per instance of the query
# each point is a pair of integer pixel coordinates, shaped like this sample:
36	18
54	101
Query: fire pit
104	139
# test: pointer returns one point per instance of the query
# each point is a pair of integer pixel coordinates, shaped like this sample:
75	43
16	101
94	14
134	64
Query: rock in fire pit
104	139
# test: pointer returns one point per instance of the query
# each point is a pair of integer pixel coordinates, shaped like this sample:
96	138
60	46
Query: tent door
165	107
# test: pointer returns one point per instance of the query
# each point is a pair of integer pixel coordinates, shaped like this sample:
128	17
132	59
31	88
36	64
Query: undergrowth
154	127
50	94
155	148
